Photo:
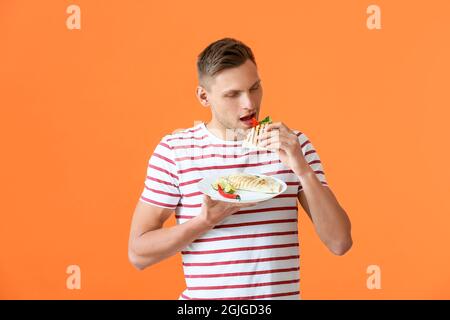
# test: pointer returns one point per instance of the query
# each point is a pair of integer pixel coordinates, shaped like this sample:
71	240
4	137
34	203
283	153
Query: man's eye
231	95
255	88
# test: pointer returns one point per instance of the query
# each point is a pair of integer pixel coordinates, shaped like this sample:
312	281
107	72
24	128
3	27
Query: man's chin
243	128
239	131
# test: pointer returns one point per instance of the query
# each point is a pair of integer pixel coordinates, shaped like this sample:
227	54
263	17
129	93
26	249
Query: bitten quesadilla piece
252	139
250	182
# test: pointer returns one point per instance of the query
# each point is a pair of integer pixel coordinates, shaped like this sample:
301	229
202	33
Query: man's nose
246	102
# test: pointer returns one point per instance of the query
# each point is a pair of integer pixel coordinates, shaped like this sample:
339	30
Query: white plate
205	186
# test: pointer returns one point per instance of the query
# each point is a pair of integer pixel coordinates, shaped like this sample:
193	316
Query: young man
233	251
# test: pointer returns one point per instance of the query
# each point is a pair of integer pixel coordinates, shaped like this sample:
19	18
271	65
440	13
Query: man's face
233	94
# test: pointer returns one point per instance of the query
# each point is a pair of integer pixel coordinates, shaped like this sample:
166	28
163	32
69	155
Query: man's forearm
156	245
331	221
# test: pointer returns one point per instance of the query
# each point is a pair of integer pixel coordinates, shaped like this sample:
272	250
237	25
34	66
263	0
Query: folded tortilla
250	182
252	139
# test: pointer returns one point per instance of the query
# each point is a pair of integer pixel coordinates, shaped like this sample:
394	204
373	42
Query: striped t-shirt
252	254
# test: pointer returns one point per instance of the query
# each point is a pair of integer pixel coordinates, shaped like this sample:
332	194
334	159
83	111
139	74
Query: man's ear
202	96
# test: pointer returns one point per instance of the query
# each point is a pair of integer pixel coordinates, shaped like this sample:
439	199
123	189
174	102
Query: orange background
82	110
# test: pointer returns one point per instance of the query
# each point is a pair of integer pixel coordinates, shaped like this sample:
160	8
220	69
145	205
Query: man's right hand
214	211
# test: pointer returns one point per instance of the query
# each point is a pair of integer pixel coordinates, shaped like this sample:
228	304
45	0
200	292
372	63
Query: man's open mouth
248	117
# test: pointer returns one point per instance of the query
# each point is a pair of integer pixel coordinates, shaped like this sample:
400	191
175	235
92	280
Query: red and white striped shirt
252	254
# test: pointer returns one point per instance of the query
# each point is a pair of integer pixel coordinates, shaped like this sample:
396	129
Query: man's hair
222	54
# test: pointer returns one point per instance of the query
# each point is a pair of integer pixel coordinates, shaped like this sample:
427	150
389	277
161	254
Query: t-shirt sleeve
312	157
161	186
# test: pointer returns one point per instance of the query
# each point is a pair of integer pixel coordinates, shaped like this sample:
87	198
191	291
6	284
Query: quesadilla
251	182
252	139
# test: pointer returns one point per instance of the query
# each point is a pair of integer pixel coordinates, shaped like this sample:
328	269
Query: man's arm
150	243
329	218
